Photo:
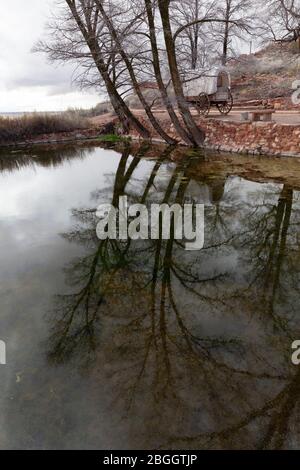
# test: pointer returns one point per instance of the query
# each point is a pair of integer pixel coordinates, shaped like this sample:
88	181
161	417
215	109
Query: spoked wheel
226	107
202	104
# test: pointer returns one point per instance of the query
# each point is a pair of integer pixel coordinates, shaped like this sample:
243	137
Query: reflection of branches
77	327
48	157
282	406
80	310
267	250
163	313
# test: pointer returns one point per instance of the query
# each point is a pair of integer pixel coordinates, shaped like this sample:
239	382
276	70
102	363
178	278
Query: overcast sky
27	81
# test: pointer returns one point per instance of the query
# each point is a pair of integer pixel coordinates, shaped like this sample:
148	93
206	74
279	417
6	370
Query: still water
142	344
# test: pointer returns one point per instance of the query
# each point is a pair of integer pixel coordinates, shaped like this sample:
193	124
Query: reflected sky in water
141	344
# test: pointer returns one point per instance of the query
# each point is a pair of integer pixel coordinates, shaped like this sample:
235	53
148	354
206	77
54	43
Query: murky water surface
142	344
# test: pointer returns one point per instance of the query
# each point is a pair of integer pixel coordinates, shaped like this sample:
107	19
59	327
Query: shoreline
234	137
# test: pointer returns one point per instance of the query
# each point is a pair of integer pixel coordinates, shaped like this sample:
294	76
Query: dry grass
98	110
32	125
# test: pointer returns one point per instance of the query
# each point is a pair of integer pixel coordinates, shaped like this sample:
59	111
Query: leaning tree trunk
118	103
226	36
121	109
197	134
155	124
157	70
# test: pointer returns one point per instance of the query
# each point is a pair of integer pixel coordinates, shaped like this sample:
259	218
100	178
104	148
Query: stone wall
259	138
253	138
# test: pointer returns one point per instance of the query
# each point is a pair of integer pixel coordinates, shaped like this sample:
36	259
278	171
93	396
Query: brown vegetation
266	75
32	125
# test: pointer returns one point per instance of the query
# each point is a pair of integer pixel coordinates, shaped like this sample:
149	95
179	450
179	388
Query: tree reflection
46	156
270	248
198	340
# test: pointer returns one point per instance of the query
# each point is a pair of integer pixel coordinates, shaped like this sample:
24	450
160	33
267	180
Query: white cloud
27	81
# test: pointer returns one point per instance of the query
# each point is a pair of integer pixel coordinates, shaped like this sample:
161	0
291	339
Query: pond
142	344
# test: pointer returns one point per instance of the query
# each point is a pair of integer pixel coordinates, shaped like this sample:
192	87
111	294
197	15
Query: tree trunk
134	81
226	35
157	70
195	42
197	134
120	107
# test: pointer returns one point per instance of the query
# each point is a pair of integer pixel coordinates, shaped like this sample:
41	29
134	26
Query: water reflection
180	349
158	298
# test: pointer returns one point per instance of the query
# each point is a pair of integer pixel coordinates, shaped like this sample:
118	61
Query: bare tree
156	62
119	44
131	70
238	23
196	46
80	36
196	133
212	30
281	21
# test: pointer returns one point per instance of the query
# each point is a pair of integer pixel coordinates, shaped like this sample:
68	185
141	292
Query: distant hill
267	74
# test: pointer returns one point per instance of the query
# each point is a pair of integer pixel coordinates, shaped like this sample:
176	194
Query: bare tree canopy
119	45
281	21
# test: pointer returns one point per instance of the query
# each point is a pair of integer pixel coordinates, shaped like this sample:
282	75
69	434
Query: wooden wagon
207	89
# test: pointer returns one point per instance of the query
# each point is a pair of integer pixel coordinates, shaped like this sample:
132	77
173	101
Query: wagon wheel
202	104
226	107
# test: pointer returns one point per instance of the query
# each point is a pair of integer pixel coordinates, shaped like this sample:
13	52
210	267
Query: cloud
26	79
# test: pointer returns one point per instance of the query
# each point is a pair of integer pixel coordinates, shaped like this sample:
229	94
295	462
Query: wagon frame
202	91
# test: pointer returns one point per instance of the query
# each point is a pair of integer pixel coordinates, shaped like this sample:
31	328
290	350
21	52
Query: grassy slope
267	74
